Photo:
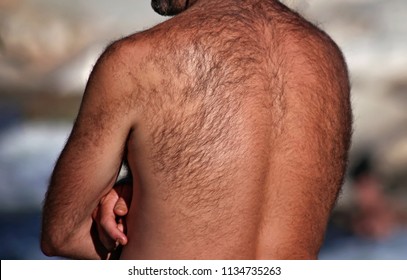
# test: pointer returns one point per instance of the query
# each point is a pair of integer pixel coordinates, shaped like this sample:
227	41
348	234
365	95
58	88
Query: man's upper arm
89	164
310	153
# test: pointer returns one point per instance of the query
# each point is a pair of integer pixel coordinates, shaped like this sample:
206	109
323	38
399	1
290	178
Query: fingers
111	233
120	226
121	209
124	193
108	218
107	215
106	241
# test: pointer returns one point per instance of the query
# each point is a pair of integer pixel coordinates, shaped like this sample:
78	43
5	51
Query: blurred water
27	154
20	233
349	247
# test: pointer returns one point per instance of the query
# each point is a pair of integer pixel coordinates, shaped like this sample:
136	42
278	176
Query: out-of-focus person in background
376	214
47	49
373	211
372	221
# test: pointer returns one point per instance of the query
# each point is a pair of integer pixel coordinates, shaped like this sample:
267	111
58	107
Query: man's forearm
67	228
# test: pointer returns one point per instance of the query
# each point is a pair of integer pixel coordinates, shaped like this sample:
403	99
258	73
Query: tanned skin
235	119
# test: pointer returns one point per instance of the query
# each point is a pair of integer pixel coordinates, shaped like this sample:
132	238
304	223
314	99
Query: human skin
235	119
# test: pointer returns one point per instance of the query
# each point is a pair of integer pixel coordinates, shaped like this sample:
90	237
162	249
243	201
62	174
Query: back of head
170	7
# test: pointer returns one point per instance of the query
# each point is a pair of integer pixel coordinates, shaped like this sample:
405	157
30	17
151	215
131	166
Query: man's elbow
51	244
49	247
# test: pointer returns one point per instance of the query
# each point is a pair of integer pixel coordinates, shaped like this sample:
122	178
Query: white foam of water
27	155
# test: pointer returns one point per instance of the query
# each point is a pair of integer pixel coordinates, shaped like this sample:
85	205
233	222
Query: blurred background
48	48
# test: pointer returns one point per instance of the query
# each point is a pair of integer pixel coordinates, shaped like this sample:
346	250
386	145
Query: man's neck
190	3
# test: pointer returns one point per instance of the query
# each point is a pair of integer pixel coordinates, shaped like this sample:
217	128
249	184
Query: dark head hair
169	7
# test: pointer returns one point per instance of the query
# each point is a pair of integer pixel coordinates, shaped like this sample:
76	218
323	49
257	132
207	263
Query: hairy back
215	77
213	108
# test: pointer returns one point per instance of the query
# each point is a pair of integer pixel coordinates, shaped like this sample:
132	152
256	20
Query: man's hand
109	216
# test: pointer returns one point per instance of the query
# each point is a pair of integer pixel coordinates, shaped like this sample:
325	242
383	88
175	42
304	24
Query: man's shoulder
129	48
123	59
310	53
116	74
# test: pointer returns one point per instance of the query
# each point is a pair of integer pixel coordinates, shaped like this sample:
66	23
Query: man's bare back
236	121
